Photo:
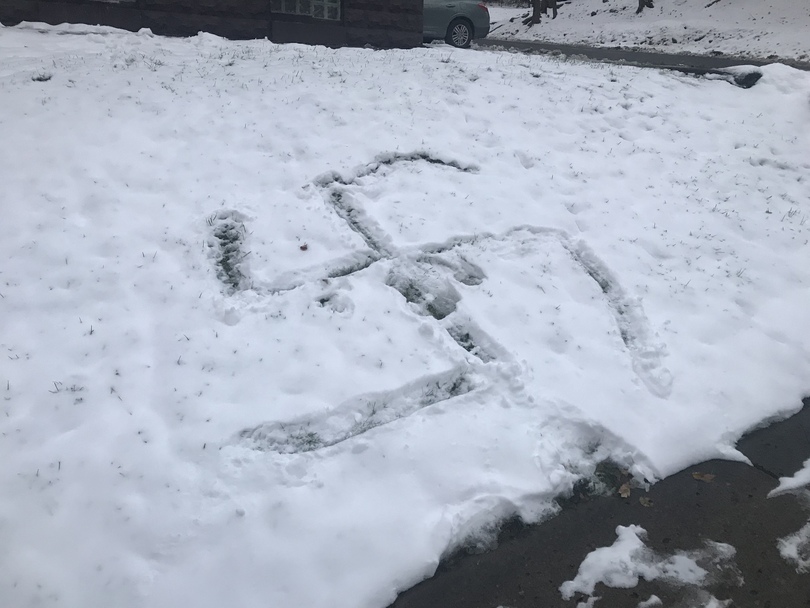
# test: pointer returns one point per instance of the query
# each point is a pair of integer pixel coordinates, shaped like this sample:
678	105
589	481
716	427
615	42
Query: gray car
455	21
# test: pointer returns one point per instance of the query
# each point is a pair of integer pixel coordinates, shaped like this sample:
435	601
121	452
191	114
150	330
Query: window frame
309	9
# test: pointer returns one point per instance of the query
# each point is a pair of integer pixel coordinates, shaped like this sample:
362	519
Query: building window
318	9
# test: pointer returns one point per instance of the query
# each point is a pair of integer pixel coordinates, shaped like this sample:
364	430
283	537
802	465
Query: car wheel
459	34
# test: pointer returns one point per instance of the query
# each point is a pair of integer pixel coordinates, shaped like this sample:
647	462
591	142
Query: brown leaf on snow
707	477
645	502
624	490
304	247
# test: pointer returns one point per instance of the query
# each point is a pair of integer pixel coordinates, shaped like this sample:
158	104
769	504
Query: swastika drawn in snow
434	278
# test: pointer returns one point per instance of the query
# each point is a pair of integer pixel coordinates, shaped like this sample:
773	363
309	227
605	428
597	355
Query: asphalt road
682	62
721	501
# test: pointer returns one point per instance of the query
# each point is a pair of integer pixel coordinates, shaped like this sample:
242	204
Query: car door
437	16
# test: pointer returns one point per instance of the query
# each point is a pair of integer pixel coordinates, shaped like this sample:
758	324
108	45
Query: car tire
459	33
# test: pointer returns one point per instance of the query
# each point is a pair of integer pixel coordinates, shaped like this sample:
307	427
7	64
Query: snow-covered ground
283	324
748	28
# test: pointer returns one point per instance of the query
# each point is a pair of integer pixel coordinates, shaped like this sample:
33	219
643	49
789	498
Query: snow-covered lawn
748	28
282	324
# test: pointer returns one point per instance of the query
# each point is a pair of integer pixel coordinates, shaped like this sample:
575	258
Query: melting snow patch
796	548
800	479
628	559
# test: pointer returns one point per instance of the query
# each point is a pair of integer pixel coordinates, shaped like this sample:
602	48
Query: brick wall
381	23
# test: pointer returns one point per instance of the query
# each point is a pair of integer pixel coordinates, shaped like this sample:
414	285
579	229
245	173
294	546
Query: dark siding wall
382	23
230	18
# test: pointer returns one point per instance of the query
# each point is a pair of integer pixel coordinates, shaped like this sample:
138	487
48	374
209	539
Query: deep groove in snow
463	270
387	159
358	415
228	235
428	289
335	193
358	221
471	338
338	267
646	356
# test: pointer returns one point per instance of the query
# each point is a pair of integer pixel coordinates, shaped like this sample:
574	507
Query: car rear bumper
480	21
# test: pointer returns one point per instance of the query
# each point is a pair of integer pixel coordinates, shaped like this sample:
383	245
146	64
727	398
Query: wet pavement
721	501
780	449
693	64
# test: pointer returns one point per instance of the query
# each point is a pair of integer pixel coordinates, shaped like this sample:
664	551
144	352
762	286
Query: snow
795	548
628	559
743	28
283	324
797	481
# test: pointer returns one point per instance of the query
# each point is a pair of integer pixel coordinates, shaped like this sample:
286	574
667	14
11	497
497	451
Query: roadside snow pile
746	28
628	559
282	325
